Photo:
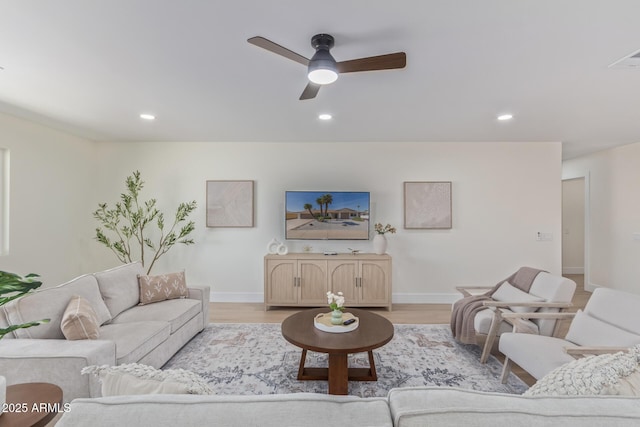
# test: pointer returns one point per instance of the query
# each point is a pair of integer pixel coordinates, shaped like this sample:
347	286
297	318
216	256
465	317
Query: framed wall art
229	203
427	205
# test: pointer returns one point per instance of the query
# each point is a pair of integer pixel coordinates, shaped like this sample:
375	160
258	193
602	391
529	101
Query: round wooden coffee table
31	404
374	331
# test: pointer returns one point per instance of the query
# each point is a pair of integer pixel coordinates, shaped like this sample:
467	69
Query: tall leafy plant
129	221
12	286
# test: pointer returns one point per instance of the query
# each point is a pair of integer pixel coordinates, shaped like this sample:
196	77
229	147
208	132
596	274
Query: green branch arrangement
12	287
128	224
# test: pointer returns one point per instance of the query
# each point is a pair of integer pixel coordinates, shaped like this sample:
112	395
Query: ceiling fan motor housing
322	66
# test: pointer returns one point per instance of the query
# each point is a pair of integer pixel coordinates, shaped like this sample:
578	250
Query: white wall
613	207
503	193
573	226
50	182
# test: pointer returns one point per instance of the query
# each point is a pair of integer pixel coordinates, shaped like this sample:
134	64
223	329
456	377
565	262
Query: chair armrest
559	316
503	304
582	351
469	291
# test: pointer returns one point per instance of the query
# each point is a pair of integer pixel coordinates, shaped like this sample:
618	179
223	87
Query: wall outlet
544	237
636	236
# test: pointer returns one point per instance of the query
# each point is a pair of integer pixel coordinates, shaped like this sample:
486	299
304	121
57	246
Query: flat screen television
327	215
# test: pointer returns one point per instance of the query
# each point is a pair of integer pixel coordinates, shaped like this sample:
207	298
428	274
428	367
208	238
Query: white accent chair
610	322
548	294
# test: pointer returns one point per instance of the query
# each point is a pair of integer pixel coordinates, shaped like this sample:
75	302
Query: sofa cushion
549	352
307	409
193	383
176	311
616	308
134	340
483	318
162	287
119	286
509	293
440	406
586	330
591	375
50	303
79	321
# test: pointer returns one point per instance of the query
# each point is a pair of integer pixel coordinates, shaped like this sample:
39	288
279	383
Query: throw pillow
194	383
79	321
121	384
615	373
162	287
509	293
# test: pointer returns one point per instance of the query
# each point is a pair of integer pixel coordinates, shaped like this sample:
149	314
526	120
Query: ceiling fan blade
310	91
277	49
382	62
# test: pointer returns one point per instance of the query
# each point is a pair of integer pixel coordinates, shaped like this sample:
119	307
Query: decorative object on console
135	217
277	247
323	215
380	240
230	203
427	205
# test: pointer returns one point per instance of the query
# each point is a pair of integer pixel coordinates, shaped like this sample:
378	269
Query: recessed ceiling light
325	116
147	116
505	117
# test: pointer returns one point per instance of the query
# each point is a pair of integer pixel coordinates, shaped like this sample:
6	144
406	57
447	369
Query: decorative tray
323	322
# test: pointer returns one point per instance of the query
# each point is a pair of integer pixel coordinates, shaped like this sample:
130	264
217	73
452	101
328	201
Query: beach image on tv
333	215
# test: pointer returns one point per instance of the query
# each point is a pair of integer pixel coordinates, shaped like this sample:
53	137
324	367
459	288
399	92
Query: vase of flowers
336	303
379	240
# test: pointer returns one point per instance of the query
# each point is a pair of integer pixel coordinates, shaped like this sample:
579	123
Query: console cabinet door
374	282
281	282
343	277
313	282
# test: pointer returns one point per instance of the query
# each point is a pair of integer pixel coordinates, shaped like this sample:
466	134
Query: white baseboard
236	297
399	298
572	270
590	287
425	298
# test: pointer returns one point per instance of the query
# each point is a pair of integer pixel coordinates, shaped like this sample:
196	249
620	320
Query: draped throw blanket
464	310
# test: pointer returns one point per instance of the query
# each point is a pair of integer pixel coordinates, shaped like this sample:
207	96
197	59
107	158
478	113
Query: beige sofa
403	407
148	334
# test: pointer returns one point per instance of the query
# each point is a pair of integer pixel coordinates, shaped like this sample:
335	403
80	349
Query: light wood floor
401	313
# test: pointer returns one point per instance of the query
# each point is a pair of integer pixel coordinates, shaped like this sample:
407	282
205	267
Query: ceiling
91	67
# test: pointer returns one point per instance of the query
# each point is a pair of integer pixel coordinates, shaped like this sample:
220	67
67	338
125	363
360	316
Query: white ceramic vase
379	244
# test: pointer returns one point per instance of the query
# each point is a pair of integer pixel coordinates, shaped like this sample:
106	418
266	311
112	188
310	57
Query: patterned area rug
255	359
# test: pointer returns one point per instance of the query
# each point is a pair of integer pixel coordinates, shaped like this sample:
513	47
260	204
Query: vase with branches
129	221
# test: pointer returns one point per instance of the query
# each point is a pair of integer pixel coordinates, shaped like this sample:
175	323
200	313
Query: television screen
327	215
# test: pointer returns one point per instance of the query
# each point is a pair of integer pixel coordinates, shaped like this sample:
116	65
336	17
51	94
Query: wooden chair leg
506	369
491	336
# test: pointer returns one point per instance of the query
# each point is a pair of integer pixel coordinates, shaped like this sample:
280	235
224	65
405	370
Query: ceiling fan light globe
322	76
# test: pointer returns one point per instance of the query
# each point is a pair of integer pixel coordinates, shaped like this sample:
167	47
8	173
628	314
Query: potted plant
12	287
130	219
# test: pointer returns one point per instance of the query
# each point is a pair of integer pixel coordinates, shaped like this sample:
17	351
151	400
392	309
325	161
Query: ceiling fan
323	68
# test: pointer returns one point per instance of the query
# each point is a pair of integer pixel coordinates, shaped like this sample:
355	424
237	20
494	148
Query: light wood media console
303	279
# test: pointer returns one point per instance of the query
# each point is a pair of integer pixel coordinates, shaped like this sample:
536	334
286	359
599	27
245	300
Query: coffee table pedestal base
338	374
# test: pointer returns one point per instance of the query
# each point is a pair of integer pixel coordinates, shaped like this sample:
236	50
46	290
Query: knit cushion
615	373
